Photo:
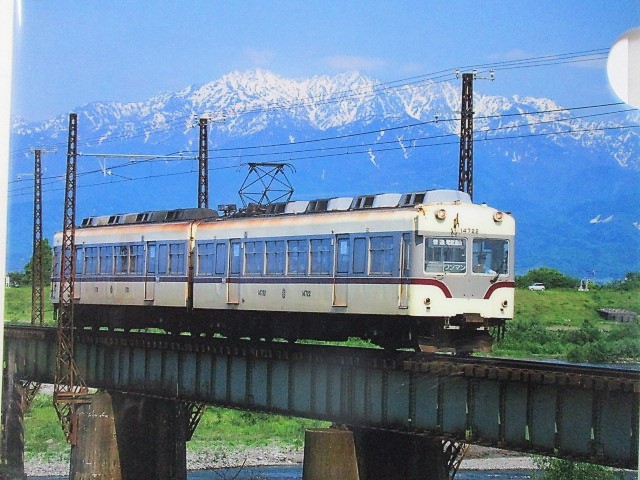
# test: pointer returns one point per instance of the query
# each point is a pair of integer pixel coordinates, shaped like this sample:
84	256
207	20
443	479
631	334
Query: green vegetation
228	429
563	323
43	435
24	277
557	469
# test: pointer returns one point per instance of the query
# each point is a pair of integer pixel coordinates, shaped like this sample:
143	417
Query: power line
182	155
368	151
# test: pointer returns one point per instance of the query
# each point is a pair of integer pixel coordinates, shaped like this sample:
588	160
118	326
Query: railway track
522	370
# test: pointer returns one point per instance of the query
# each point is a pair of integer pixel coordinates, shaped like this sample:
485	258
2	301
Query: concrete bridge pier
124	437
369	454
394	455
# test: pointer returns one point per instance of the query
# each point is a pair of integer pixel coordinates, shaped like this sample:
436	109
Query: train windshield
490	256
445	254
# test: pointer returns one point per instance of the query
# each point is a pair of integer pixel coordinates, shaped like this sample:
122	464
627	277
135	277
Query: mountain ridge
411	144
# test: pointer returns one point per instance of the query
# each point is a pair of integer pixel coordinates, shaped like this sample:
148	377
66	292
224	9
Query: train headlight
427	301
498	216
441	214
504	304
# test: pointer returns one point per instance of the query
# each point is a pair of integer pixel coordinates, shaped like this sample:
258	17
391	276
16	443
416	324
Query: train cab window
275	257
381	255
490	256
254	257
321	256
297	257
445	254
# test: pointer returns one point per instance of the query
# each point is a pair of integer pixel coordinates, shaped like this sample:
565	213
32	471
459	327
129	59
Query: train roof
362	202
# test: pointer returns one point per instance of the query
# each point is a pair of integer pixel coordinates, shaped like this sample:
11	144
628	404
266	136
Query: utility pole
465	171
69	388
37	268
203	163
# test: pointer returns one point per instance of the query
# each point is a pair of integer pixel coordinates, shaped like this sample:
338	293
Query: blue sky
67	54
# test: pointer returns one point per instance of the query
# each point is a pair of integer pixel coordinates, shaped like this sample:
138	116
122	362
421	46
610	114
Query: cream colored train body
397	269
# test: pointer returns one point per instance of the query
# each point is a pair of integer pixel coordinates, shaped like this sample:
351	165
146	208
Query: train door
405	271
235	269
150	272
341	270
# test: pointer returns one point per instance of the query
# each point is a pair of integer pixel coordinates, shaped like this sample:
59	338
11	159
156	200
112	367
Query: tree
550	277
47	259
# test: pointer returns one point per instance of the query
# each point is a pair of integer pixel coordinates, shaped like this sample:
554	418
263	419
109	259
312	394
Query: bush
557	469
550	277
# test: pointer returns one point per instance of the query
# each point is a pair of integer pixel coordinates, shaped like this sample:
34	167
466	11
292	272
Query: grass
566	308
17	305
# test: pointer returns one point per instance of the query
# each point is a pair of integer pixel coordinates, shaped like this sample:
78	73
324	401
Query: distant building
618	315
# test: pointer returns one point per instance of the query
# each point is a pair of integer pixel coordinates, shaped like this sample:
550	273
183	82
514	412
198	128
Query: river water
295	473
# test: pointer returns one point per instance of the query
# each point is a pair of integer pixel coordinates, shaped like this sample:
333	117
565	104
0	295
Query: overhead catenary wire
184	155
367	151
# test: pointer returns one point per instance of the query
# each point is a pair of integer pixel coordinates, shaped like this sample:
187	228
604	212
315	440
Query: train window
162	258
152	258
106	260
445	254
136	259
79	260
254	257
321	256
381	255
275	257
490	256
206	258
176	259
91	260
297	256
221	258
122	259
342	260
236	258
360	255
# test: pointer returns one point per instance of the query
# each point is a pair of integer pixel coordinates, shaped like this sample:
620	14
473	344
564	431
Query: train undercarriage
434	335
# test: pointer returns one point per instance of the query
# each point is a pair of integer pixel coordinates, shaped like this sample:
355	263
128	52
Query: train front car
462	277
428	269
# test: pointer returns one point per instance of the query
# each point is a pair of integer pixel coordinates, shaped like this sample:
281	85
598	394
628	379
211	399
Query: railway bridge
410	415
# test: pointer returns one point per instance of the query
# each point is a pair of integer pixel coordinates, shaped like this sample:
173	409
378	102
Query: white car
537	286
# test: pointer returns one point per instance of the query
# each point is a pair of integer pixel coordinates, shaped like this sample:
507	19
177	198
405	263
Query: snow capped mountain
557	170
